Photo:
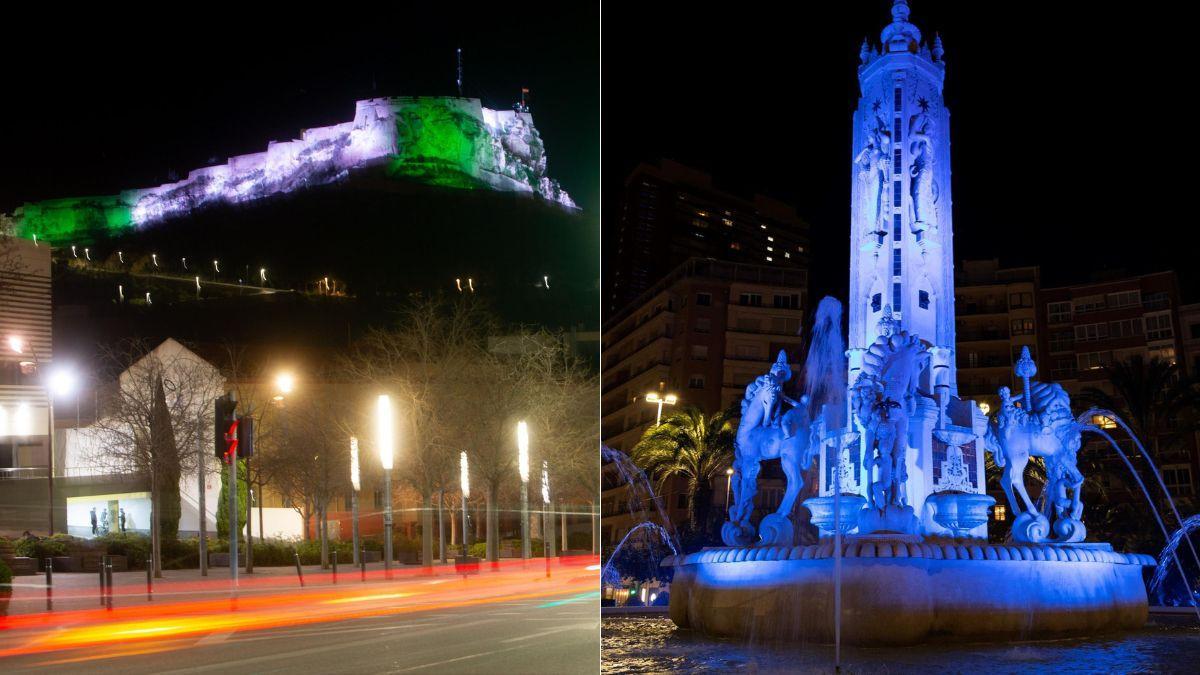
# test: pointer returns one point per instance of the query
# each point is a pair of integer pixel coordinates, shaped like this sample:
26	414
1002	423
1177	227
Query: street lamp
385	440
728	485
523	466
660	399
357	485
465	479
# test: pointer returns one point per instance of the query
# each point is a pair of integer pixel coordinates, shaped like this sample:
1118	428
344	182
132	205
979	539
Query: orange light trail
146	623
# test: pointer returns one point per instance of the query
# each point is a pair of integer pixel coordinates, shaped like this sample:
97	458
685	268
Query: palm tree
691	445
1154	397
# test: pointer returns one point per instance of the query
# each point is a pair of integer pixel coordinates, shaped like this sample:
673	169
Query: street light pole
385	439
356	484
465	480
660	398
441	527
728	485
523	466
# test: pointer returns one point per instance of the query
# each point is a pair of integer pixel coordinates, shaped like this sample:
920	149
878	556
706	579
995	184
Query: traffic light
245	437
224	422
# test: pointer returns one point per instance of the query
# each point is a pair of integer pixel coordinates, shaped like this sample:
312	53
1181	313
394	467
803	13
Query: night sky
1071	137
95	104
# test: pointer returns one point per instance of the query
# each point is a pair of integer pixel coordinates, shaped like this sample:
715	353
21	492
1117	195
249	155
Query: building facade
995	317
1093	325
702	333
670	213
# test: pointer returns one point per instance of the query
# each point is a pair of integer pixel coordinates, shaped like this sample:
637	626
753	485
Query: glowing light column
357	485
523	466
465	478
385	439
547	515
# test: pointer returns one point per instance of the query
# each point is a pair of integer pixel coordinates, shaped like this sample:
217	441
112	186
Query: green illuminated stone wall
441	142
74	219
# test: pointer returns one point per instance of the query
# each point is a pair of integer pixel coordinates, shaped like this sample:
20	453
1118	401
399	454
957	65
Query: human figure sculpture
765	432
872	162
922	186
883	399
1049	431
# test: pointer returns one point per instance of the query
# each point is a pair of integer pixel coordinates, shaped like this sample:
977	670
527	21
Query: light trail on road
159	626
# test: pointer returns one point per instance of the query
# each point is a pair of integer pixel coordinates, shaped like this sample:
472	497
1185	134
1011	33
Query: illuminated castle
453	142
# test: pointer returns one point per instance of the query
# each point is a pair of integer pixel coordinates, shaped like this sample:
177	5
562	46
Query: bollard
335	565
103	561
362	560
299	572
108	582
49	584
149	580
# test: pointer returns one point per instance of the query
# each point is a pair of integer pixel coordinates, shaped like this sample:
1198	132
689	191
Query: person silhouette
94	528
122	520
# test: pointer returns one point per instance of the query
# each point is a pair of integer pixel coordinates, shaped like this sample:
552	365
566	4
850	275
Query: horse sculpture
765	434
1048	430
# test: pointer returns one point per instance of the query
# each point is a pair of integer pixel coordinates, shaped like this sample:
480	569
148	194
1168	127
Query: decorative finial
900	11
1025	365
865	53
938	51
887	322
1026	369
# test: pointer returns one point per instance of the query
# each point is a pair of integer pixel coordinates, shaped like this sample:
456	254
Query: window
735	246
897	268
876	302
896	297
750	299
703	324
896	232
1124	299
1091	332
1162	353
896	194
1062	341
923	299
704	299
1022	326
378	498
1158	326
787	301
1091	303
700	223
1094	360
896	162
1000	512
696	382
699	352
1016	300
1063	368
896	99
1178	479
1104	422
1059	311
1125	328
1194	331
1158	300
896	130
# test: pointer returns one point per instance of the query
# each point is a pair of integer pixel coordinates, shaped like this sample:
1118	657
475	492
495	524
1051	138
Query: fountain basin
960	512
823	516
899	592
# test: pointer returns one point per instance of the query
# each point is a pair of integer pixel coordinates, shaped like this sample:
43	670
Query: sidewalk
81	590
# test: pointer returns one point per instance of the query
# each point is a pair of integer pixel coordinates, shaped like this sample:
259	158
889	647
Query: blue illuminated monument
901	504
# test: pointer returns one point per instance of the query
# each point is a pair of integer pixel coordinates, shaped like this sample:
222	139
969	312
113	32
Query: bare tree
150	423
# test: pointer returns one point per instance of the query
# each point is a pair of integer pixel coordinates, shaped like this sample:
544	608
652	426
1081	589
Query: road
514	620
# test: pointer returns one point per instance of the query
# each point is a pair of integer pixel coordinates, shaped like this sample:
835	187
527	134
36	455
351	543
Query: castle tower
901	255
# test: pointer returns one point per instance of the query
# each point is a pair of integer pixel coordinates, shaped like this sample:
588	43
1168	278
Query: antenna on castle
459	80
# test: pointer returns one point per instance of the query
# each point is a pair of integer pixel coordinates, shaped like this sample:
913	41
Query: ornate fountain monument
901	502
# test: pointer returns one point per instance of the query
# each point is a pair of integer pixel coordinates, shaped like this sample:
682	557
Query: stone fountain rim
946	549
